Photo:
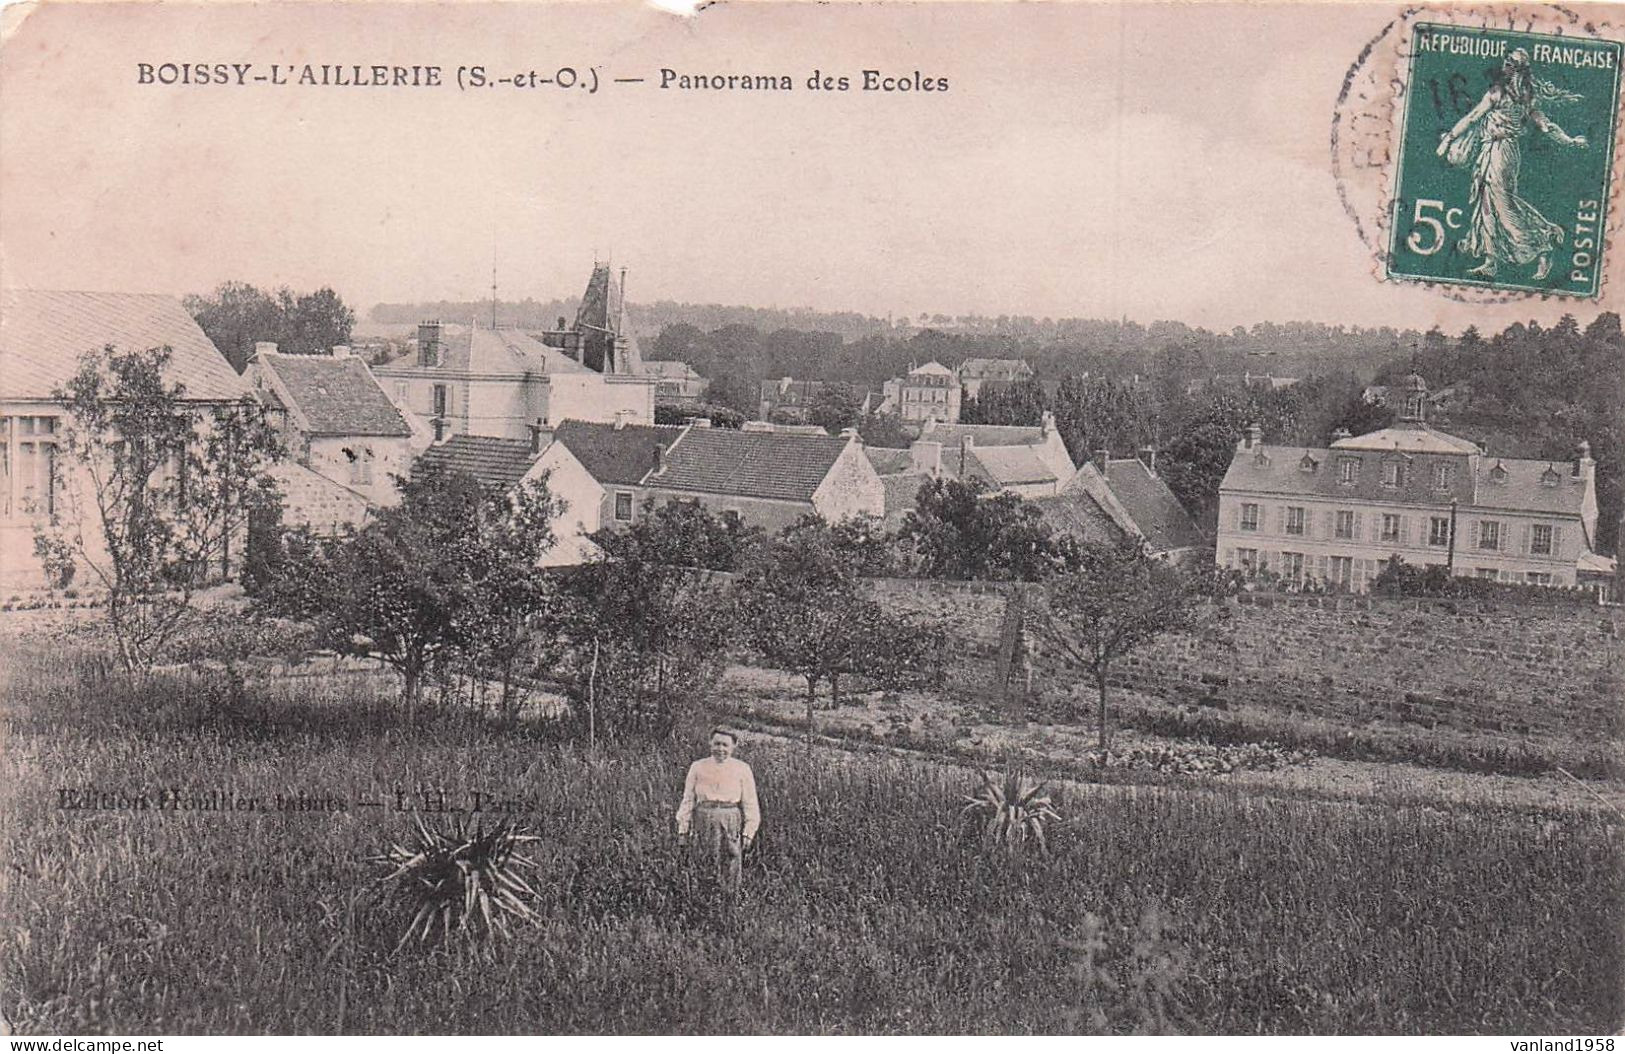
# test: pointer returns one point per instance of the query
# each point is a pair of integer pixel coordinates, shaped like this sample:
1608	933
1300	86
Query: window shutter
1328	524
1356	527
1523	539
1376	527
1557	540
1404	530
1320	568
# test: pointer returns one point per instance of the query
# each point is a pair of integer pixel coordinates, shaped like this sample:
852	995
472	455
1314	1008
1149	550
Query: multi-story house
926	393
1338	513
677	383
973	374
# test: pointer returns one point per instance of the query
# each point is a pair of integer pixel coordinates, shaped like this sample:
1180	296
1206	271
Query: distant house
677	382
788	399
1030	461
336	422
926	393
503	382
619	458
1337	513
974	373
769	479
1155	515
1256	381
42	336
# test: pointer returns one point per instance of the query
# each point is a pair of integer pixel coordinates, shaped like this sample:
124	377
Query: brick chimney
1100	458
660	458
851	433
1584	469
926	456
1047	424
537	433
1148	458
1340	434
1255	436
341	351
622	419
430	347
265	347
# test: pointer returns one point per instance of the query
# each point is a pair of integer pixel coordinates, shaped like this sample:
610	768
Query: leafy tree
958	530
1117	599
883	430
155	490
237	315
650	621
834	407
806	613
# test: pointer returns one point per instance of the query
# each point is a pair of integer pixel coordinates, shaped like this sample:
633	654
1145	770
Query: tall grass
869	905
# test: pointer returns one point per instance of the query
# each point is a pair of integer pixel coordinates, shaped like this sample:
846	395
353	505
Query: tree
834	407
882	430
650	621
806	613
155	490
1117	599
237	315
960	531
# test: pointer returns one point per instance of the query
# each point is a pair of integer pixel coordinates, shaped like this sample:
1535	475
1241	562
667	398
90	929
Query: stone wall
1504	666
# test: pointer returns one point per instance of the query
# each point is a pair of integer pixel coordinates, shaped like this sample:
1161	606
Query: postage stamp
1504	160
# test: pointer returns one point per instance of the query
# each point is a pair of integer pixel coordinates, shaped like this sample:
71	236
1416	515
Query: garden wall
1501	665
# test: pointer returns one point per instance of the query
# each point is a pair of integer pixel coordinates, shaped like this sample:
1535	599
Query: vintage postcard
883	518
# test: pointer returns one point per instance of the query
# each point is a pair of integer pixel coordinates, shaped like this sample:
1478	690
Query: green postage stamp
1505	157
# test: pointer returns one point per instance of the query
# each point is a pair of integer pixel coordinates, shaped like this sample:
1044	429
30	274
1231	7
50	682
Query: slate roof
901	490
1011	466
1281	471
1075	512
43	334
615	455
1411	438
889	461
749	464
472	349
500	462
982	435
1155	511
337	396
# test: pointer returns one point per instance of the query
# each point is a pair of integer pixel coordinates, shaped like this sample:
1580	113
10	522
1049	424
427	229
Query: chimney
1340	434
1148	458
341	351
1047	423
429	343
1100	457
537	431
1584	469
850	434
697	422
660	458
926	456
622	419
560	326
265	347
1255	436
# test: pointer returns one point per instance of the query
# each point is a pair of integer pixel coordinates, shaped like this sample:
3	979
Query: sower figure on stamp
1503	227
718	816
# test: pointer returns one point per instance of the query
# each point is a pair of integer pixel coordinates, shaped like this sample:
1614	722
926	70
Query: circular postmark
1475	149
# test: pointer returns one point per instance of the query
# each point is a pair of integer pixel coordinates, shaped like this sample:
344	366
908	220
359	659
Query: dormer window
1393	472
1498	474
1551	477
1308	464
1444	473
1348	470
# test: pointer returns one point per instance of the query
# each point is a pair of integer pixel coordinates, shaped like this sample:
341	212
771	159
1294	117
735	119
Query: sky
1087	160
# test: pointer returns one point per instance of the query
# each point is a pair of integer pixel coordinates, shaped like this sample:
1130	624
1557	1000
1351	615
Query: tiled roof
749	464
338	397
982	435
1075	512
500	462
1409	439
1282	471
1156	512
615	455
889	462
43	334
1009	466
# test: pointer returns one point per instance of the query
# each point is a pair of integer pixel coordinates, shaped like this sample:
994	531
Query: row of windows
1352	572
1395	471
1392	527
27	465
931	396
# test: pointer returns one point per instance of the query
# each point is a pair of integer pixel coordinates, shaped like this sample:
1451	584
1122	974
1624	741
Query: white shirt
727	781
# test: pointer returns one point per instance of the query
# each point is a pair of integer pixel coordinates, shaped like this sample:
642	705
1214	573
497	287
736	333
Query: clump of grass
468	882
1013	811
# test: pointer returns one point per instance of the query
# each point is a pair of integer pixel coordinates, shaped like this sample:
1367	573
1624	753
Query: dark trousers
716	846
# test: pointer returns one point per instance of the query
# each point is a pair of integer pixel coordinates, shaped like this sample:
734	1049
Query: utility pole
493	293
1450	555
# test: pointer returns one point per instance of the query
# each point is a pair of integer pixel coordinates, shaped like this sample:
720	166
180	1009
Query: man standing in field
718	815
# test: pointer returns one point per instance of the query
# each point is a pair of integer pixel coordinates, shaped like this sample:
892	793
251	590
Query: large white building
1338	513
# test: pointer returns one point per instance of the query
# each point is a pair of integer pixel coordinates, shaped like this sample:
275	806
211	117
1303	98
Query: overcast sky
1156	162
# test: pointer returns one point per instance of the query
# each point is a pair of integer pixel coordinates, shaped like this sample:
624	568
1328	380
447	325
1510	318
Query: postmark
1477	150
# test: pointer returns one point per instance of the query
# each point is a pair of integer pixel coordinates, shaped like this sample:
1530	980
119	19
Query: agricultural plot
871	902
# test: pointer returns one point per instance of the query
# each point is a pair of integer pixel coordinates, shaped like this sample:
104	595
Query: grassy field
870	905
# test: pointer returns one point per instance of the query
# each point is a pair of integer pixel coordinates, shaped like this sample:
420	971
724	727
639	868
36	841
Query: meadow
870	904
